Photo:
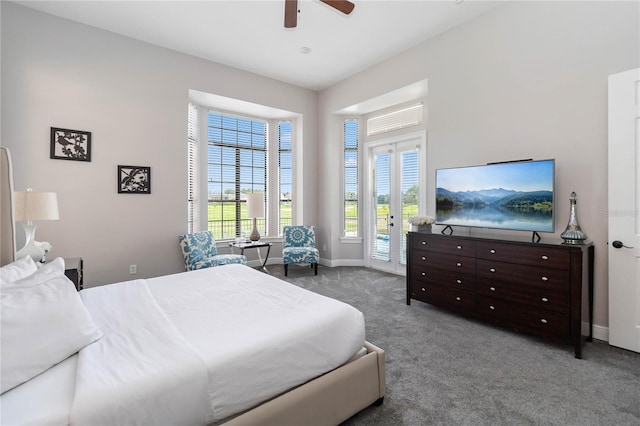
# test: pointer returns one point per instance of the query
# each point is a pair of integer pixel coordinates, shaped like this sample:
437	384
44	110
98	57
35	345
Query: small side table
73	271
256	245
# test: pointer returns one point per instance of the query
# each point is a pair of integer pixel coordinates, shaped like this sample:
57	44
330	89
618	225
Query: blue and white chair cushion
199	251
299	246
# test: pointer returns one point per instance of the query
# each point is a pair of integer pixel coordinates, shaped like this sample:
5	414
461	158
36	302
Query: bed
226	345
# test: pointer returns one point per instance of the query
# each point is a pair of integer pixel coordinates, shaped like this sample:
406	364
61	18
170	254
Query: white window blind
191	166
285	175
406	117
237	165
350	140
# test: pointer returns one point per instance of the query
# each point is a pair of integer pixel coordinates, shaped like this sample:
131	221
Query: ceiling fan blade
290	13
343	6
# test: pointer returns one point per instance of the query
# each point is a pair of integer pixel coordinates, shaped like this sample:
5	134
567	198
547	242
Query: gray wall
133	98
525	80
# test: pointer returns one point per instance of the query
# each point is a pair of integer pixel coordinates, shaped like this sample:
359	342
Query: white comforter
200	346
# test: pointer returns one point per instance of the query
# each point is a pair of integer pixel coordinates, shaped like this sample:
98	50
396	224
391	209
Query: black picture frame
134	180
67	144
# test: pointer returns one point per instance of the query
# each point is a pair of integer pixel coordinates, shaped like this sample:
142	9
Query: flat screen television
515	195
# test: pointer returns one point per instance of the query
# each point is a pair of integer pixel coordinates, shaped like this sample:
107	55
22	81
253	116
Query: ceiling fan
291	10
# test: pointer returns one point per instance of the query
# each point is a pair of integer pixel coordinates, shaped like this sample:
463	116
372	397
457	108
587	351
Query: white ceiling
250	35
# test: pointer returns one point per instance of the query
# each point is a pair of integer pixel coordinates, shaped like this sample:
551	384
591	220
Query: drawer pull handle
459	281
544	321
545	279
458	299
492	269
544	299
492	251
423	274
424	243
423	289
458	264
424	258
493	308
545	257
492	288
459	247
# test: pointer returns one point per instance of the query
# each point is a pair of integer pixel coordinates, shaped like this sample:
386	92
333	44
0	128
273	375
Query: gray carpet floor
443	369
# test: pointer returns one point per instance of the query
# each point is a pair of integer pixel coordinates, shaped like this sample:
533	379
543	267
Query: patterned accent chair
299	246
199	251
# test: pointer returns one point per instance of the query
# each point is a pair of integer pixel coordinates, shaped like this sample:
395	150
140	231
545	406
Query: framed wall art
67	144
134	180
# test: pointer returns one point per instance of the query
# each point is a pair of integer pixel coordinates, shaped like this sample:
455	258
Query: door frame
394	244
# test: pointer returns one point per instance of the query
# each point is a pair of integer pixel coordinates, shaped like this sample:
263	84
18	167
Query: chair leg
286	269
315	268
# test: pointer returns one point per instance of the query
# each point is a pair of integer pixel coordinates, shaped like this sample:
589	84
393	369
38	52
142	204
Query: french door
396	185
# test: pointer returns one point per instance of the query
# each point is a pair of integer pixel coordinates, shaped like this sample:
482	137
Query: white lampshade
255	205
32	206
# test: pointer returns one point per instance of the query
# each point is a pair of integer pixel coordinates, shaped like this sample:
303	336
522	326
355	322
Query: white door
396	183
624	210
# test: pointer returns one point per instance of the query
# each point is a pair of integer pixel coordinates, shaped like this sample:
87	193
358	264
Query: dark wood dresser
534	288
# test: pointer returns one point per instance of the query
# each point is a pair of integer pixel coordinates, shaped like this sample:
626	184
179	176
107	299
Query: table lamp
30	206
255	209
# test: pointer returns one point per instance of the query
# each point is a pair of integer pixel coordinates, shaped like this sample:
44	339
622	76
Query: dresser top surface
523	240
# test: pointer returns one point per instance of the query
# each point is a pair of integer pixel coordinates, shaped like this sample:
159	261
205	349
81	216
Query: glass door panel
396	193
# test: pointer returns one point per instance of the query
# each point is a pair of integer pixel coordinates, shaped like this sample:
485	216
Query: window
284	175
350	137
191	166
236	165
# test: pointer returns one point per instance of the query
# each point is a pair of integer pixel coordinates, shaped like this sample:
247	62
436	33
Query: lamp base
255	235
30	248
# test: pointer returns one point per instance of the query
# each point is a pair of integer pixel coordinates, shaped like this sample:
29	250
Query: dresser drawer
426	274
447	297
544	323
547	257
435	260
537	322
444	244
536	297
523	274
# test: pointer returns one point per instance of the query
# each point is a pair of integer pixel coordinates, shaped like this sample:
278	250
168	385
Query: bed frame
326	400
329	399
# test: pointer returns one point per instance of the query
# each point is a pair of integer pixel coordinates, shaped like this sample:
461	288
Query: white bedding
200	346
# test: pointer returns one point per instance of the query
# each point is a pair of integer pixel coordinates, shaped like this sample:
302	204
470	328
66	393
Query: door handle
619	244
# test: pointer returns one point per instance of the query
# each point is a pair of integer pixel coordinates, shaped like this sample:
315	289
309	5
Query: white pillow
47	271
42	324
19	269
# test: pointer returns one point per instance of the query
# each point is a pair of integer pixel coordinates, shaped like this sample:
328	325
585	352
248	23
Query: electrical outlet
133	269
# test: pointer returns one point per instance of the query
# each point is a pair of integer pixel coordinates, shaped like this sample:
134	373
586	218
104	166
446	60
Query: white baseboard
599	332
324	262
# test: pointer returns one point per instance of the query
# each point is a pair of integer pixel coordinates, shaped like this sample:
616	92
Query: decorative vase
573	234
423	228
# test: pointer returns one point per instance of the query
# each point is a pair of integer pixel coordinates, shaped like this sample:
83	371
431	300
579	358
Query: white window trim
345	239
202	213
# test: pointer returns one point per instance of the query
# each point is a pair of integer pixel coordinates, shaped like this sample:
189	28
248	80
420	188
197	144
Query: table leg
264	263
